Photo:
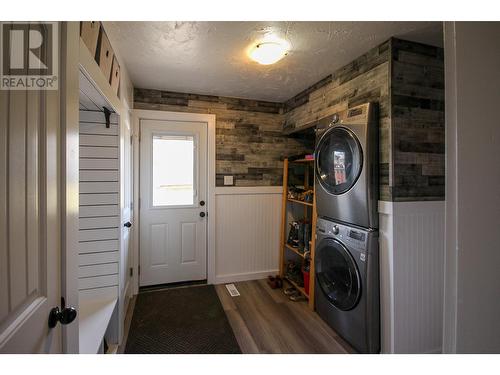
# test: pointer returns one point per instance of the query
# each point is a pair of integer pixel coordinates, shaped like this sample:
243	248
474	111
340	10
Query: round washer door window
337	274
339	160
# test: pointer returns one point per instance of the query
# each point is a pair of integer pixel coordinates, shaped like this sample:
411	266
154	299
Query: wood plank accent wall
417	121
406	79
250	144
99	232
363	80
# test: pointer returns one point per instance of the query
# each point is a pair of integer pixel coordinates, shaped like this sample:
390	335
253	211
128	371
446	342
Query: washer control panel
353	237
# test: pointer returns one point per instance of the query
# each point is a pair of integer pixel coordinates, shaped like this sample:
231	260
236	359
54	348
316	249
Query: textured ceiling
210	57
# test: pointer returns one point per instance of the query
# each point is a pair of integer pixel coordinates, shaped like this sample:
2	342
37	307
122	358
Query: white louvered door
30	248
100	227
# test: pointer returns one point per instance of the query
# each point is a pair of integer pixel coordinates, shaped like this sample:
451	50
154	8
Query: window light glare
269	52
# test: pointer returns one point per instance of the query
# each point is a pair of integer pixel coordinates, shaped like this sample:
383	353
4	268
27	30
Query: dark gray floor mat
180	321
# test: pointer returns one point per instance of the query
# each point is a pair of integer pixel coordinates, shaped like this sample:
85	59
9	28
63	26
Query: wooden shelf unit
293	249
300	202
309	213
300	289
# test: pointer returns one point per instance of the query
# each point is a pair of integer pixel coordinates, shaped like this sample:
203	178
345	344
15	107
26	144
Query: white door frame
137	116
70	32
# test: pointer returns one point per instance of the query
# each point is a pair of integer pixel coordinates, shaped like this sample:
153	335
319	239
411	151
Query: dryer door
337	274
339	160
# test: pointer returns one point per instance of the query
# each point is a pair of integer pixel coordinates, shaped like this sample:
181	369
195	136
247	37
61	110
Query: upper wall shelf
306	130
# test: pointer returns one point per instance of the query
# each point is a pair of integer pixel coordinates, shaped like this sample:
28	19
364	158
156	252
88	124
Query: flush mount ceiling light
269	51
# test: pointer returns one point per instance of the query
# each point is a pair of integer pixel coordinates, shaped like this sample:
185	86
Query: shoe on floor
274	282
297	297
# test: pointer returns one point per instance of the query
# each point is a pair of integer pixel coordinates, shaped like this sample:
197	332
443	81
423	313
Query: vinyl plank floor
266	321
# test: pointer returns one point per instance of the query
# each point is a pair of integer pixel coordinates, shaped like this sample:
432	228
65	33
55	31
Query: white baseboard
127	293
224	279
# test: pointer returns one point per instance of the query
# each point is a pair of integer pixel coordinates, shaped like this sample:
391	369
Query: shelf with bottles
298	205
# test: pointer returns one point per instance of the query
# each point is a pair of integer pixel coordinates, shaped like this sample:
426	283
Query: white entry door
173	192
30	247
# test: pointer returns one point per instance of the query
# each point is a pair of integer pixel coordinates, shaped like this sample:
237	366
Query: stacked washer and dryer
346	254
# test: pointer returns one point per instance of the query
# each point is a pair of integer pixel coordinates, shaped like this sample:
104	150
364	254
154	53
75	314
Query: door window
337	274
173	170
339	160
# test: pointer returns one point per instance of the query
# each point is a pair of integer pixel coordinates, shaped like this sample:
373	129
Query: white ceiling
210	57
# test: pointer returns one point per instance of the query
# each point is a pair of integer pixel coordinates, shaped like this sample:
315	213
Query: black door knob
64	316
202	203
128	224
202	214
68	314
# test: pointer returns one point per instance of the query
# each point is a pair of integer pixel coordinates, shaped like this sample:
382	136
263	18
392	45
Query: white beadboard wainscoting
247	234
411	276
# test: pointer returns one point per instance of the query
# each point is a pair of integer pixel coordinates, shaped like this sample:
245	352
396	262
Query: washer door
339	160
337	274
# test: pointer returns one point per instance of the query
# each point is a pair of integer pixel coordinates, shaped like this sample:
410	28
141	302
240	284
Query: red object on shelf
306	281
